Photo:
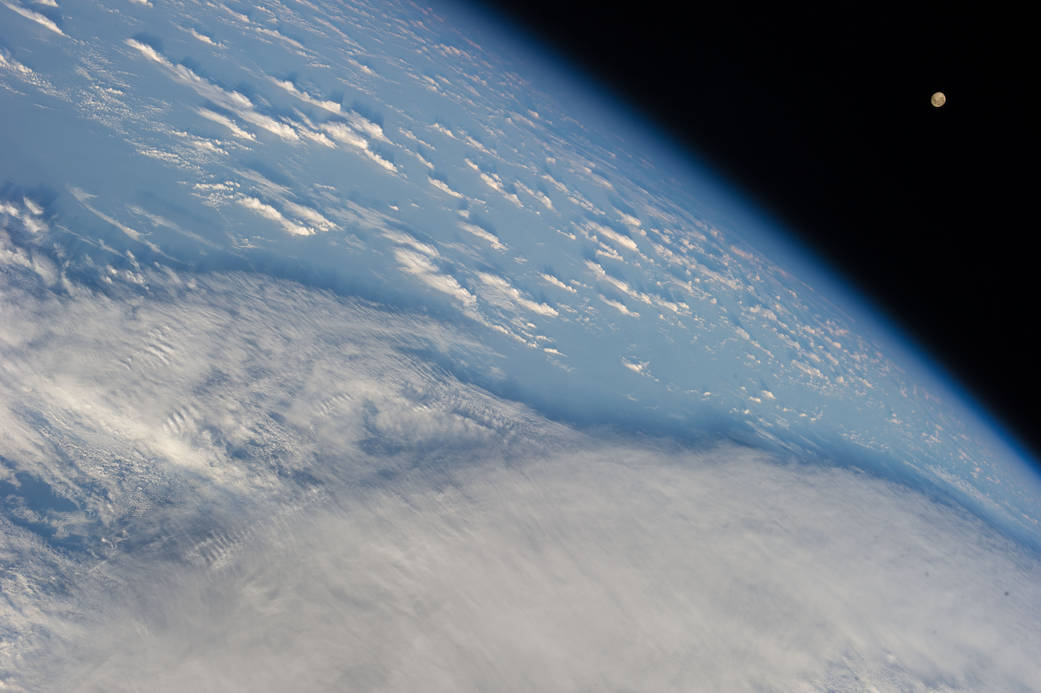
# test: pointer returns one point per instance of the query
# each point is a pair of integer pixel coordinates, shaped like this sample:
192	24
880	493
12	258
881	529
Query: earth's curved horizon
356	345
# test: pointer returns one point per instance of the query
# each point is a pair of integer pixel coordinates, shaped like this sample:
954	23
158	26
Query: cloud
289	86
499	291
24	73
423	267
229	99
354	132
619	306
226	122
84	198
483	234
443	186
199	36
33	16
550	279
268	212
234	101
613	236
636	366
613	568
494	182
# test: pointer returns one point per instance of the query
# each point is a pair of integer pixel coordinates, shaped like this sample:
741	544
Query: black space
822	113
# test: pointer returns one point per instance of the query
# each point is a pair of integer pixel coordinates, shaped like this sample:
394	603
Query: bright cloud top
611	568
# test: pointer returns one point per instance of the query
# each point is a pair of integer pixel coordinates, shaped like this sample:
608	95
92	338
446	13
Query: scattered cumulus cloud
499	290
421	266
228	123
619	306
34	16
444	187
268	212
331	106
483	234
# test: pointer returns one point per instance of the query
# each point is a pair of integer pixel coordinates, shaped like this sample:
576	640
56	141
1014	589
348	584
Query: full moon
938	99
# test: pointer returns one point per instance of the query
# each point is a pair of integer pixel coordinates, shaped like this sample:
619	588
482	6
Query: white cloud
494	182
331	106
33	16
199	36
483	234
635	366
346	134
230	99
615	568
370	128
613	236
312	216
550	279
234	101
353	133
402	238
23	72
499	291
619	306
228	123
438	127
84	198
268	212
302	213
421	266
443	186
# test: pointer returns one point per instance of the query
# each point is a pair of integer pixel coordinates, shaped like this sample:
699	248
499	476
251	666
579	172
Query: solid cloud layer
609	569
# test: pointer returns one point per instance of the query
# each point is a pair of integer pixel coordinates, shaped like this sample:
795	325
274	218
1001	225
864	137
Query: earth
360	346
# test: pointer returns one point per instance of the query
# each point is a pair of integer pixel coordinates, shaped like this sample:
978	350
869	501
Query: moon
938	99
